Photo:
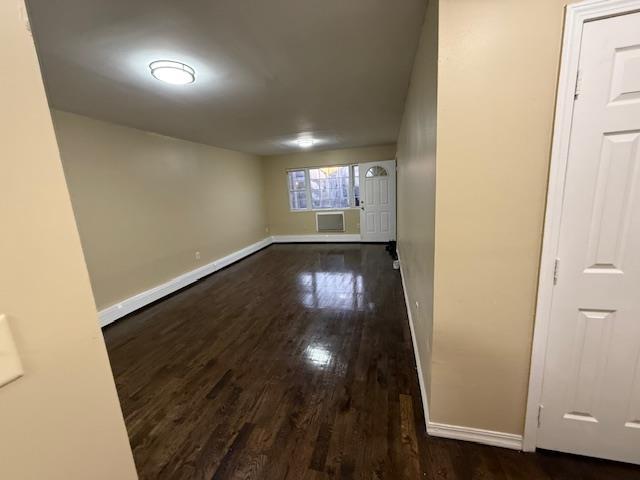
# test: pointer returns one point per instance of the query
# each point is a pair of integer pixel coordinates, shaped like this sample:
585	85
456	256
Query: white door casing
590	342
378	201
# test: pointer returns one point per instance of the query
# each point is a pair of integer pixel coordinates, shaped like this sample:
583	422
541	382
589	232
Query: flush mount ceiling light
305	142
175	73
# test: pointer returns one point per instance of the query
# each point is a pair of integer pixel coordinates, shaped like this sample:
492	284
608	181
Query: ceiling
266	70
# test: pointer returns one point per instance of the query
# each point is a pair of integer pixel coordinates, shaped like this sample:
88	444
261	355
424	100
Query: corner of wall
416	159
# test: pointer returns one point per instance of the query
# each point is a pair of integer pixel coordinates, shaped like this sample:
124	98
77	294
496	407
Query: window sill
324	210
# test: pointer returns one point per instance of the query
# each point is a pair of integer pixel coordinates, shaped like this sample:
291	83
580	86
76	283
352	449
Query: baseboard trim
477	435
454	432
423	388
319	238
131	304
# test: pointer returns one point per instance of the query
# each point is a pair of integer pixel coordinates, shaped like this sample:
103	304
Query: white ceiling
266	70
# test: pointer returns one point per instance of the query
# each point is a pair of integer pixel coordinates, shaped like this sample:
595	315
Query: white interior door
378	201
591	384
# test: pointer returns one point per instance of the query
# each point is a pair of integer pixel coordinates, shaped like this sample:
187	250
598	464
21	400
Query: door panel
633	413
385	221
383	197
591	392
369	192
590	351
613	195
378	205
625	83
370	223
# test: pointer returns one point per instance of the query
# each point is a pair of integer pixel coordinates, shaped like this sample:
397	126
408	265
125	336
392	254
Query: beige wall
146	203
416	187
497	82
62	419
282	221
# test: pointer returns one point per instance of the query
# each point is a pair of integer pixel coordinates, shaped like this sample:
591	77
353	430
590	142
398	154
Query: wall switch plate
10	364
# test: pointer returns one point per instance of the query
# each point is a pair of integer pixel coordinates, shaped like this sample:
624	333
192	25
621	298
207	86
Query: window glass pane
298	200
376	172
329	187
297	190
296	180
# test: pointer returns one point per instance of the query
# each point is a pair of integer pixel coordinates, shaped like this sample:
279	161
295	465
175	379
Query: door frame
394	210
575	18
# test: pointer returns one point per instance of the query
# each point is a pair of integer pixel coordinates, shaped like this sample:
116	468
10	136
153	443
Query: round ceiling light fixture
175	73
306	142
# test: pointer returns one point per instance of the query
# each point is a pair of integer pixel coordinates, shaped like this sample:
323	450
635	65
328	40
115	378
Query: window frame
307	181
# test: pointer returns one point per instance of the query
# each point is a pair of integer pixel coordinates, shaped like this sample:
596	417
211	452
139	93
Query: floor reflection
335	290
318	355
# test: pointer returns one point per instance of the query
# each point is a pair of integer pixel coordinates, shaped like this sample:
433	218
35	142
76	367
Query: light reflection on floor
332	290
318	355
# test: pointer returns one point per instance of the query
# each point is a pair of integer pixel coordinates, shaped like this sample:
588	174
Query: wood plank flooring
296	363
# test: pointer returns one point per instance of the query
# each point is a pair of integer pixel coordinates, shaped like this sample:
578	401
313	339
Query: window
329	187
324	188
298	189
376	172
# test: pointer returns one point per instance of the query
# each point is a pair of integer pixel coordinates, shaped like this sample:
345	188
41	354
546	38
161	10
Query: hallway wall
61	420
416	187
497	80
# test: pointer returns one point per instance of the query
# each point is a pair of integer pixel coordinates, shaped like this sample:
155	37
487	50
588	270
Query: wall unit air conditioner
329	222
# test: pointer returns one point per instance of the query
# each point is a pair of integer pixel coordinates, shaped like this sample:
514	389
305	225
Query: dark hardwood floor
296	363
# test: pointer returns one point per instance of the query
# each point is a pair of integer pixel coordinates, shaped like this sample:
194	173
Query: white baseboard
114	312
333	237
469	434
477	435
125	307
423	388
